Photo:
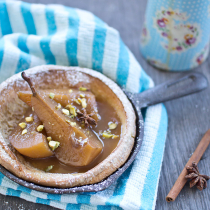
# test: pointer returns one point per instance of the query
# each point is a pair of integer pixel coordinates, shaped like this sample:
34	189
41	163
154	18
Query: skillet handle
169	90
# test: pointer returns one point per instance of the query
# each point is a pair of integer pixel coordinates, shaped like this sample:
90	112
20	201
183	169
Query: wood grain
189	117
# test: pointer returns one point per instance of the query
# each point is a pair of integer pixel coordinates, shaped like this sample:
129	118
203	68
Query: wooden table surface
189	117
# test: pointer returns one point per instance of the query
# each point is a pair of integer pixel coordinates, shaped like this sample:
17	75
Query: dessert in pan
64	128
68	127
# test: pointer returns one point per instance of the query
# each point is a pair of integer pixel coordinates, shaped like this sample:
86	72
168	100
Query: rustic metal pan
173	89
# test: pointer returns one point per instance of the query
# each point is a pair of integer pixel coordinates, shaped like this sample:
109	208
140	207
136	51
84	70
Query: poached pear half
78	146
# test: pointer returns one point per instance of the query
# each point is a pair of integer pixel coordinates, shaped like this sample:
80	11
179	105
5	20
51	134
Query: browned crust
49	76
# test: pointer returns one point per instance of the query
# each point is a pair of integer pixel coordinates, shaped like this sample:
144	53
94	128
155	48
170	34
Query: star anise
196	178
86	118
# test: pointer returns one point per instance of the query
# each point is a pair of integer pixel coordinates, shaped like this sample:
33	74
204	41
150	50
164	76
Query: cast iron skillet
189	84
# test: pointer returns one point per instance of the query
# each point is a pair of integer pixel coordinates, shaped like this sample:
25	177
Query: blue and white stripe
57	44
35	34
85	38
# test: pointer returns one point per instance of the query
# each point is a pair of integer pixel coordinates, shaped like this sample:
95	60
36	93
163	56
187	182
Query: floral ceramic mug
176	33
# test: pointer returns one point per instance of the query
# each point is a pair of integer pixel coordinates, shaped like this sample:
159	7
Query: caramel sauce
108	114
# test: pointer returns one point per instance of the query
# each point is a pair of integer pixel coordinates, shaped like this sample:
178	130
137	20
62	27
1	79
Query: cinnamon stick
196	156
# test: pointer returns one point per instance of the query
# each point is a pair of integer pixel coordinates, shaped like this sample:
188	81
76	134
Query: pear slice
78	146
27	141
66	97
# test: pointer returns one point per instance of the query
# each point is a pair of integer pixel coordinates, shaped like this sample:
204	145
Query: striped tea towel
35	34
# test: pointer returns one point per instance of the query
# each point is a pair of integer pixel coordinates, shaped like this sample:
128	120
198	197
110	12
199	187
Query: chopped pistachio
73	124
40	128
49	138
24	131
83	102
106	135
70	90
68	121
112	125
72	110
82	95
22	125
75	100
49	168
54	144
114	136
58	106
29	119
83	88
51	95
65	111
79	99
132	136
68	106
